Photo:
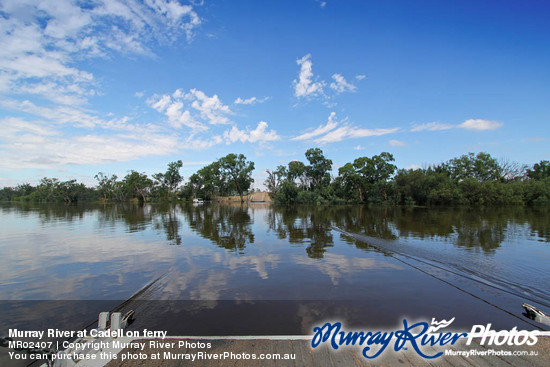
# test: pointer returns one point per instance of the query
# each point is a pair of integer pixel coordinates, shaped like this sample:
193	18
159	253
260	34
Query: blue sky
113	85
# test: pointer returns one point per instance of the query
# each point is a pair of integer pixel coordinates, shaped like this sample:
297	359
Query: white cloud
42	44
196	143
432	126
322	129
340	85
397	143
208	110
75	116
413	166
259	134
358	147
250	101
305	86
43	39
348	132
471	124
334	131
360	77
479	124
39	144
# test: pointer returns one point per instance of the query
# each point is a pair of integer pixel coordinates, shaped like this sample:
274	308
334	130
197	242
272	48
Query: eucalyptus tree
138	185
366	174
275	179
319	168
296	173
481	167
106	185
170	180
237	173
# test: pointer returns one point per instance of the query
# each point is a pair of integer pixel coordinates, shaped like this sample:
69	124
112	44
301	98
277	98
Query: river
228	269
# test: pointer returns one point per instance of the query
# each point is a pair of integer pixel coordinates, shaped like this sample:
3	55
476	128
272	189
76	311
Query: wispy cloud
250	101
334	131
43	43
479	124
432	126
471	124
322	129
397	143
340	85
41	40
41	144
348	132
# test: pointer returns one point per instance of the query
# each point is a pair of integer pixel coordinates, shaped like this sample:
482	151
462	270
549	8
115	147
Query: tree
171	178
275	179
481	167
70	191
297	172
207	181
47	189
350	176
540	171
138	185
237	172
319	168
367	173
106	185
511	171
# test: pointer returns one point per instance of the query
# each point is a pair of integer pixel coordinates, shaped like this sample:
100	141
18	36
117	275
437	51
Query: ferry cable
392	252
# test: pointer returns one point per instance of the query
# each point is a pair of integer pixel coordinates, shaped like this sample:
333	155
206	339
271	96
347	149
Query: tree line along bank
471	179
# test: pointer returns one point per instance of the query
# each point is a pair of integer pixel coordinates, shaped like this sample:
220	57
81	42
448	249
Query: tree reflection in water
227	226
301	225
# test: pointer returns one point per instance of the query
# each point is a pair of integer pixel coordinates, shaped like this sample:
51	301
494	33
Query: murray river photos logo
416	336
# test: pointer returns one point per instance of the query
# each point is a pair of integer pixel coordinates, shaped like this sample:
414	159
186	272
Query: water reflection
249	253
301	225
227	226
167	219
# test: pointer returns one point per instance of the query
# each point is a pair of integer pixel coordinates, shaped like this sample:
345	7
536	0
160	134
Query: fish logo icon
439	325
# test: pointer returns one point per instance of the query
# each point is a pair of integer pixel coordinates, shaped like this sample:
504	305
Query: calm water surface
295	264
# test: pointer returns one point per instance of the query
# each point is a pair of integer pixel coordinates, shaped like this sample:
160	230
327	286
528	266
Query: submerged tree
106	185
275	179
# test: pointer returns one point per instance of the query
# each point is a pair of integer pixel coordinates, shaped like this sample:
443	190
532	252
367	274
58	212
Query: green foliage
275	179
106	186
370	176
287	193
481	167
237	173
540	171
319	168
137	185
168	182
471	179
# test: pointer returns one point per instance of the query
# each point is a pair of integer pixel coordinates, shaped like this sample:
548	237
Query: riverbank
254	197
